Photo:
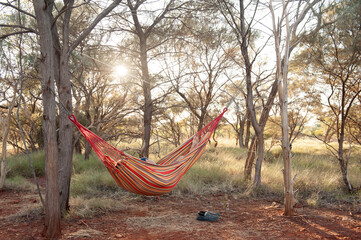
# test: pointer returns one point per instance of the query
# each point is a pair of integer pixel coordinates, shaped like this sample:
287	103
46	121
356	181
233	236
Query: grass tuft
19	182
219	170
85	208
91	178
18	165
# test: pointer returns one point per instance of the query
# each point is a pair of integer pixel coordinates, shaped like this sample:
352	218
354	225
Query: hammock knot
72	118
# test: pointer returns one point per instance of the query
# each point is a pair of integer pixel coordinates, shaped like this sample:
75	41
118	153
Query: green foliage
93	182
18	165
18	182
81	165
91	178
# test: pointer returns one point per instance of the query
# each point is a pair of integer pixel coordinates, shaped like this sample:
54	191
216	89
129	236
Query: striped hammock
140	177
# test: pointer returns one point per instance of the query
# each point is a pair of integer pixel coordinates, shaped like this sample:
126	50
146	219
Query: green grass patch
93	182
91	178
81	165
18	165
19	182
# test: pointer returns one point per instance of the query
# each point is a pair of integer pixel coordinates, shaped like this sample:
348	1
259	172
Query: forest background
146	75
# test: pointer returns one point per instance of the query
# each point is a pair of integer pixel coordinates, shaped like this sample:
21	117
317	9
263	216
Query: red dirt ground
175	218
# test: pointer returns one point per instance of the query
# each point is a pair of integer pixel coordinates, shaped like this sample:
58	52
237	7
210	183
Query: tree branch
18	9
86	32
14	33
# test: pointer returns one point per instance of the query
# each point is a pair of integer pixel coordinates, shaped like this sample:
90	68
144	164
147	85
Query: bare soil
170	217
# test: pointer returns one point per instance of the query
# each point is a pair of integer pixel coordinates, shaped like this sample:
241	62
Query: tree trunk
77	146
214	137
286	152
143	32
248	130
260	154
250	105
89	120
282	79
52	206
344	173
241	132
65	134
148	103
6	128
87	151
286	148
250	159
342	161
201	119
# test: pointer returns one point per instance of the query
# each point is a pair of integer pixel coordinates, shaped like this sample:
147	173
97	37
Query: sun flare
120	70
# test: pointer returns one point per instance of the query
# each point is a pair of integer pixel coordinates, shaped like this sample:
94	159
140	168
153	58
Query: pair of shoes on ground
208	216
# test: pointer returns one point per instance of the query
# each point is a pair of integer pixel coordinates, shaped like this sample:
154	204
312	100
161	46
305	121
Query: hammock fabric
138	176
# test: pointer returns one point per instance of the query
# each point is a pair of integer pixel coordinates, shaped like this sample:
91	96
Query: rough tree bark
250	159
248	130
62	50
52	206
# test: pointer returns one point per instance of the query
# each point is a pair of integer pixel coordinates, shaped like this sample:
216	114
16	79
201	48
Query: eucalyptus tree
149	25
9	90
334	56
56	47
64	45
244	30
52	203
242	18
102	97
197	63
284	44
206	63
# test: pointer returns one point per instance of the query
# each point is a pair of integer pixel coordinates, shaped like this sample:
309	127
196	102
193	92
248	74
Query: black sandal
208	216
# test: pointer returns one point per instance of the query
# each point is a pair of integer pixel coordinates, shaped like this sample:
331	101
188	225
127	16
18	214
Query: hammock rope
138	176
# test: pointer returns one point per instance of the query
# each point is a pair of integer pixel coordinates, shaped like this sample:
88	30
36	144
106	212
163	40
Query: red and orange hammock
138	176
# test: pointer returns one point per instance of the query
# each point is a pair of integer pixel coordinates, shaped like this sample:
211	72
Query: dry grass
220	170
29	209
90	207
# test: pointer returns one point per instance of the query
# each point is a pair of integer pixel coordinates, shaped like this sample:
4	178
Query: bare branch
14	33
18	9
86	32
